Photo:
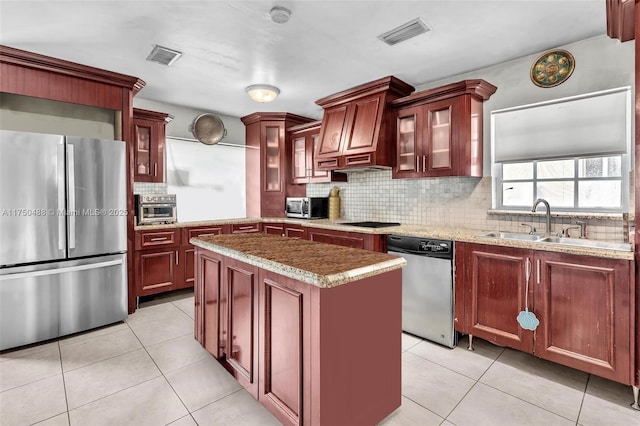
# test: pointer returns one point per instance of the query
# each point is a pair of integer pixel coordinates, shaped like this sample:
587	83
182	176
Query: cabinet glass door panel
143	151
316	173
407	143
272	159
299	158
440	132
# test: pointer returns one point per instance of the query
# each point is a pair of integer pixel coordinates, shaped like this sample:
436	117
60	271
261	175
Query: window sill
568	215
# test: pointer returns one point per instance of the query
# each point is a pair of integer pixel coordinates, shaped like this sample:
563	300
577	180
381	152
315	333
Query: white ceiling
326	47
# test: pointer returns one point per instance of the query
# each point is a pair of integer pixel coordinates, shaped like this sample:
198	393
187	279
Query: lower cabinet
156	270
229	317
582	303
374	242
267	329
285	339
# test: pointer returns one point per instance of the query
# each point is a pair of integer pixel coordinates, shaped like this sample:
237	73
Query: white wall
208	180
184	116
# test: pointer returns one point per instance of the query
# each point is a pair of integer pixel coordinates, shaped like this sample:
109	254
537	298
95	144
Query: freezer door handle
61	206
60	270
72	196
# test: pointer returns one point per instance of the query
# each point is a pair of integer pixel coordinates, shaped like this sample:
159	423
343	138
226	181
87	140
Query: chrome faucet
548	218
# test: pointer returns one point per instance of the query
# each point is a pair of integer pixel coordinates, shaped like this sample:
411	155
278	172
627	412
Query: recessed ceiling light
404	32
163	55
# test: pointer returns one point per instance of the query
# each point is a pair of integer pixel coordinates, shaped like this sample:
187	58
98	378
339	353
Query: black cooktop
371	224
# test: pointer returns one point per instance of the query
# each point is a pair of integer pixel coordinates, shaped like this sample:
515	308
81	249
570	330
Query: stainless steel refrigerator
63	235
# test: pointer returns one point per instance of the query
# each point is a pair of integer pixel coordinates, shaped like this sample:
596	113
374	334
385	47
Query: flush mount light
279	14
163	55
262	92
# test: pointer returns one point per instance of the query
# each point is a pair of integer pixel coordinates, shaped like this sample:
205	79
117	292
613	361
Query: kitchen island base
311	355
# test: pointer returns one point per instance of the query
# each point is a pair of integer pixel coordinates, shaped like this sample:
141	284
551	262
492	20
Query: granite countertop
426	231
319	264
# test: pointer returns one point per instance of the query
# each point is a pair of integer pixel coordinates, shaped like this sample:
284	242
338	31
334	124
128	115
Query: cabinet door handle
424	163
177	259
417	163
155	169
158	239
527	270
538	265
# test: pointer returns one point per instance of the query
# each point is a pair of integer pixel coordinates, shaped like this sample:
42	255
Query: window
570	184
574	152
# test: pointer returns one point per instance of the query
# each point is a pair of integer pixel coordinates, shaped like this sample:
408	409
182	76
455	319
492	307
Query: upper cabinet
439	131
621	19
267	165
304	140
358	124
149	140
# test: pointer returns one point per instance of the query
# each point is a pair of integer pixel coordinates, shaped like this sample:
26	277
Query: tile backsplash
149	188
451	201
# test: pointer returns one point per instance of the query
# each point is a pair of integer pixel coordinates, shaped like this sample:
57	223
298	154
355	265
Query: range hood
358	126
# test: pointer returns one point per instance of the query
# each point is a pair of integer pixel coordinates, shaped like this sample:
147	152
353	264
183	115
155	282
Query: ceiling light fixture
262	92
279	14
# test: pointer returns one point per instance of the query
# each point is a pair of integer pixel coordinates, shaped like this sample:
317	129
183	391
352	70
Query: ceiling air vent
163	55
404	32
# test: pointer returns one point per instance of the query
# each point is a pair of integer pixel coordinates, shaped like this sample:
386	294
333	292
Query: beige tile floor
149	371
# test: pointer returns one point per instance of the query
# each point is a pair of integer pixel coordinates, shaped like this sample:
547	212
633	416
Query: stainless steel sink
511	236
576	242
579	242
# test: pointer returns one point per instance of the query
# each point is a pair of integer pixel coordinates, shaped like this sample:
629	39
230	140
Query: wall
28	114
179	128
601	63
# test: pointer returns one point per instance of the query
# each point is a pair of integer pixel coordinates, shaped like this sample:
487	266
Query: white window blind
593	124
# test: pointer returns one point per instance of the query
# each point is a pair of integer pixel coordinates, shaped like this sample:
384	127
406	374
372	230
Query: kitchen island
311	330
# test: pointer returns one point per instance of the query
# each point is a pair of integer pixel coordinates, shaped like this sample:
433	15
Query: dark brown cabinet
187	251
373	242
266	328
164	258
149	140
273	228
294	231
304	142
267	163
227	296
358	124
439	131
245	228
585	314
582	303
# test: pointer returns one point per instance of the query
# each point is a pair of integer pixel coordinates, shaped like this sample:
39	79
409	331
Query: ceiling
326	47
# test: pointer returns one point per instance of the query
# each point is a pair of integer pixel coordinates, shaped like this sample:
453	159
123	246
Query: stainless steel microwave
153	209
307	207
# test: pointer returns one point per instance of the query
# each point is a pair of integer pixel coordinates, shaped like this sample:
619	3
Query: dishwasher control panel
421	246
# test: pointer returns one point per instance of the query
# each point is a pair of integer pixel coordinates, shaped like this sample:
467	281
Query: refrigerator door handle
61	206
60	270
71	190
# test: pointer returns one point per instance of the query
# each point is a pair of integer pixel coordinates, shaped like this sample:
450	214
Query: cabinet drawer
149	239
241	228
188	233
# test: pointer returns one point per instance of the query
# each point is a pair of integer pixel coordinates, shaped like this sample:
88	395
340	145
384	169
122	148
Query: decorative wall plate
552	68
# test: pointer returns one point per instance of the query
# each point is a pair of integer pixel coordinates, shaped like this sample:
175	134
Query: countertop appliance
154	209
63	235
427	287
307	207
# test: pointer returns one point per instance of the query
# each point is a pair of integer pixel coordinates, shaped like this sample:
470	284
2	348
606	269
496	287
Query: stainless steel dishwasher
427	287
